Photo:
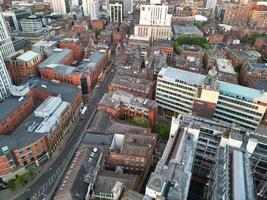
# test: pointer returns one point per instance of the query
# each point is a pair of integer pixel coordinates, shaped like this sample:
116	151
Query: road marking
50	180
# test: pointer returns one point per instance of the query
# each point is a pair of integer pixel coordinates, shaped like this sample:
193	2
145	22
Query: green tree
163	130
11	184
140	121
31	173
21	180
201	41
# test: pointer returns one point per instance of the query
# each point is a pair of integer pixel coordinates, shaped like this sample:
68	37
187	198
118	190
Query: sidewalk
39	171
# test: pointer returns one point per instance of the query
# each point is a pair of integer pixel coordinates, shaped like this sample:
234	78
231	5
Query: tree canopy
140	121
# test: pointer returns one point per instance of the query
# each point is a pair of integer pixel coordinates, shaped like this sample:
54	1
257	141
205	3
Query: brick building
83	76
136	86
193	50
236	14
226	71
74	44
166	47
210	56
23	65
36	129
97	24
261	45
126	106
240	57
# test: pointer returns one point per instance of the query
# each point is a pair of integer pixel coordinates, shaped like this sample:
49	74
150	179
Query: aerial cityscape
133	100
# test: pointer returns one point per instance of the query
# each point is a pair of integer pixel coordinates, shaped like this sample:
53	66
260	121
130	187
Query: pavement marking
50	180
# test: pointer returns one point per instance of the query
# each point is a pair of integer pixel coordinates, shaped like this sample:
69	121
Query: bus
83	111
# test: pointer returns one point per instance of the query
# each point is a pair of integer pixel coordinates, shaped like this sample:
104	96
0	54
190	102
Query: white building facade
116	12
5	81
6	45
91	8
59	6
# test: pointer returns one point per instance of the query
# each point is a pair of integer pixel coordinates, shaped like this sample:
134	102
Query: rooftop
259	84
225	66
137	37
56	57
174	75
114	99
186	30
43	43
241	91
258	67
136	84
28	56
163	43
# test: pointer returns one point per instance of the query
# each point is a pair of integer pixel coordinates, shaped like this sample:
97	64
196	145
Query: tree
163	130
11	184
201	41
31	173
21	180
140	121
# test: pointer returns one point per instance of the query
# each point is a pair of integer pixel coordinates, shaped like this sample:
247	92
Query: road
43	187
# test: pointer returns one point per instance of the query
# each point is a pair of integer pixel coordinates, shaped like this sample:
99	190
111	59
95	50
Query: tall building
5	81
116	12
180	91
91	9
60	6
127	6
6	46
155	22
210	4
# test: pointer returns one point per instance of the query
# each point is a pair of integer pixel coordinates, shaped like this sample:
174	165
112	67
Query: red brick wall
97	24
4	165
74	46
10	123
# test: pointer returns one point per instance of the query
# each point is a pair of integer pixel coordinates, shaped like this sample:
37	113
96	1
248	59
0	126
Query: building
20	43
6	46
258	15
126	106
21	65
236	14
91	9
180	91
210	57
240	57
60	6
155	15
74	44
45	48
226	71
5	80
116	12
241	179
156	61
191	31
31	23
136	86
34	119
128	7
166	47
210	4
261	46
176	89
143	41
256	148
172	176
108	161
57	67
189	63
155	22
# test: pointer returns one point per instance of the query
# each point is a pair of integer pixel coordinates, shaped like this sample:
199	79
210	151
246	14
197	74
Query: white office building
116	12
155	15
6	45
180	91
59	6
91	9
5	81
155	22
210	4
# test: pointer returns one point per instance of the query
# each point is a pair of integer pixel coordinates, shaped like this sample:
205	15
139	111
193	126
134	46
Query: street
45	185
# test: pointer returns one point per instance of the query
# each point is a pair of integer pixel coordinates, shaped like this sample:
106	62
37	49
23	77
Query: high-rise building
127	6
60	6
116	12
6	46
5	81
155	22
210	4
91	9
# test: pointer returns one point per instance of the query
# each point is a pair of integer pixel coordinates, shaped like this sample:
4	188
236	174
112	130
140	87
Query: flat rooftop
258	67
163	43
114	99
186	30
141	38
136	84
225	66
241	91
259	84
28	56
176	75
46	44
56	57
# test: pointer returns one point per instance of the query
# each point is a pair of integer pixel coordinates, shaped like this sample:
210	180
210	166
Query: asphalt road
43	187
